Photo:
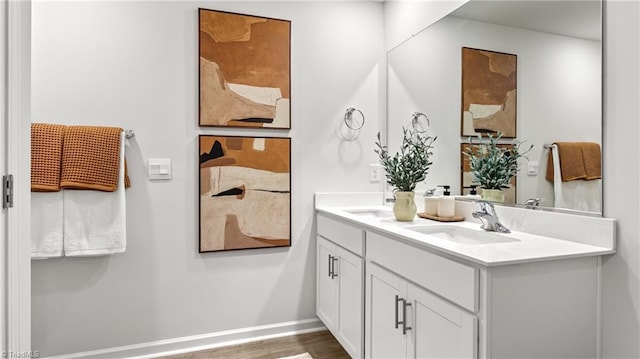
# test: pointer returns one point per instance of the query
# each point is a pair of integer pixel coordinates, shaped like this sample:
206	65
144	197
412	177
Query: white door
385	338
15	291
350	276
3	165
440	329
326	303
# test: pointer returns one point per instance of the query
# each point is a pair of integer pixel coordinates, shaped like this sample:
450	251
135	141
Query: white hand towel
46	224
95	221
578	195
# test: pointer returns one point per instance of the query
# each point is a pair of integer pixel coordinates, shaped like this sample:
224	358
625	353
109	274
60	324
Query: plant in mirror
559	81
406	168
494	165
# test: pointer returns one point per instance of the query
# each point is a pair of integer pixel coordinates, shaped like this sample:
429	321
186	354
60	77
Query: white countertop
521	248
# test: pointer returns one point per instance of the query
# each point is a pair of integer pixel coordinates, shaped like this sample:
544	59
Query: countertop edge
338	214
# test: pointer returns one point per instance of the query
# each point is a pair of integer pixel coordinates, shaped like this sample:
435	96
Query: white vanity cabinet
406	321
340	282
386	294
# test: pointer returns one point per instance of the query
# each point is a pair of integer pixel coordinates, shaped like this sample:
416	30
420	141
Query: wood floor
321	345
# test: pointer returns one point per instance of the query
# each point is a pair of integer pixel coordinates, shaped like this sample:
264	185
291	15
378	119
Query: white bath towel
46	224
579	195
95	221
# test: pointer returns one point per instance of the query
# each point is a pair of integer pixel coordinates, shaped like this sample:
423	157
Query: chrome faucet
391	199
532	203
487	215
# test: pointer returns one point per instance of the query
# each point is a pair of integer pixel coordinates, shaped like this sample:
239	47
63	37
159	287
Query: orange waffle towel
91	158
578	161
592	160
46	156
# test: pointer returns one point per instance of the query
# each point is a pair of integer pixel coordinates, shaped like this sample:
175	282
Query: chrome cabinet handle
398	299
333	267
329	266
404	316
405	304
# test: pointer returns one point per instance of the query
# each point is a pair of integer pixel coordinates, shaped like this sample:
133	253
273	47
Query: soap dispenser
446	203
431	202
473	193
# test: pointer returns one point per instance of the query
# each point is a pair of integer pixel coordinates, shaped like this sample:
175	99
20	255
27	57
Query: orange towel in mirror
592	160
578	161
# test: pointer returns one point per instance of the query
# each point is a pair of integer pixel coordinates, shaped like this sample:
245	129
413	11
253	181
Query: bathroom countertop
518	247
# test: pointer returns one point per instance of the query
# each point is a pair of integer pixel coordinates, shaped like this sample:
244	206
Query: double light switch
159	168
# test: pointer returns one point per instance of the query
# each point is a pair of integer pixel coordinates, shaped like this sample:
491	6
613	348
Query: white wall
403	19
134	65
559	82
621	279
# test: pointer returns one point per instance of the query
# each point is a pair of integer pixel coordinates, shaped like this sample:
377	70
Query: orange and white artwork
245	192
488	92
244	70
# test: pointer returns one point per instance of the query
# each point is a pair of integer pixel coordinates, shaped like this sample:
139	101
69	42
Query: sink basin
463	235
370	212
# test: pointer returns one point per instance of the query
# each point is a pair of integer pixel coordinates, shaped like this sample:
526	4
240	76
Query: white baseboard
201	342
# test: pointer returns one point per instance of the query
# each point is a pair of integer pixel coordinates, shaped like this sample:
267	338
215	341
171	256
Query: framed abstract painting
244	70
488	92
245	192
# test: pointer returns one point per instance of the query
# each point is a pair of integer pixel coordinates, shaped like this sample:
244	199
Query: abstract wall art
245	192
488	92
244	70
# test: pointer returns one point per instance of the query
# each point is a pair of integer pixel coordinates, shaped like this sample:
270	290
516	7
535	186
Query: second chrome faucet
487	215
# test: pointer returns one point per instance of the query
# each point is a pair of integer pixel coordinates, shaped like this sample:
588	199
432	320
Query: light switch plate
532	168
159	168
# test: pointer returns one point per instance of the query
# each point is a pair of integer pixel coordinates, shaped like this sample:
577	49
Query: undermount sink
463	235
370	212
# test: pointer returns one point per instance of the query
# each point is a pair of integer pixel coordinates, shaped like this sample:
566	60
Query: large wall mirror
559	85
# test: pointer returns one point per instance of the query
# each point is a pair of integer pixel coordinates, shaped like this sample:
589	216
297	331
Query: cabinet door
440	329
326	292
350	271
384	337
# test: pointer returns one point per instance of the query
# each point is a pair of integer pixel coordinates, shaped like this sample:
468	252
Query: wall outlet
375	172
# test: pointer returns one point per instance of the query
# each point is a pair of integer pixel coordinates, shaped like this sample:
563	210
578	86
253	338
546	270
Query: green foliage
493	166
411	164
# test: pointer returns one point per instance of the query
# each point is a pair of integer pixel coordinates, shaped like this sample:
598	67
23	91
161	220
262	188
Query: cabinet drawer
349	237
452	280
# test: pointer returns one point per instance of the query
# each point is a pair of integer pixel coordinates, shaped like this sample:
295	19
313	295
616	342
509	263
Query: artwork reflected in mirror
245	192
488	92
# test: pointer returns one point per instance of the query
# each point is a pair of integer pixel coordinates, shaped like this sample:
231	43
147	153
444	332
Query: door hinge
7	191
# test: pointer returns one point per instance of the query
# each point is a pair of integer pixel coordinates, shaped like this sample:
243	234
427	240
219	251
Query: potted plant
493	166
405	169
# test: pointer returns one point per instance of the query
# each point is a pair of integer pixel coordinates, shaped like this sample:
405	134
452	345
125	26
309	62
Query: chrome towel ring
352	121
420	122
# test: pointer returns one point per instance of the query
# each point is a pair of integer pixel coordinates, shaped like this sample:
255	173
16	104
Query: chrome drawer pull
333	267
404	316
